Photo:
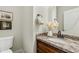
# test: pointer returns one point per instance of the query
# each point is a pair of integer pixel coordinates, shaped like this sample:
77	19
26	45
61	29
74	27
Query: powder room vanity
53	44
43	47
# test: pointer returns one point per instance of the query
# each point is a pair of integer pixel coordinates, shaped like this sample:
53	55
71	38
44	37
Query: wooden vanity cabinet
43	47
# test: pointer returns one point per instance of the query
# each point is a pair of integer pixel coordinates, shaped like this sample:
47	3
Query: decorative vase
50	33
55	30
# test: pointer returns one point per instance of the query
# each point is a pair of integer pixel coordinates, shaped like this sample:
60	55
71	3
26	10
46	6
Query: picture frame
6	16
5	25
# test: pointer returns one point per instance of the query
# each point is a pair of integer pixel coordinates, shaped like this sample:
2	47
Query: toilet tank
6	43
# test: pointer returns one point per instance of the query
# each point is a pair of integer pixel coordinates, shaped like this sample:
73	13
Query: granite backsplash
65	35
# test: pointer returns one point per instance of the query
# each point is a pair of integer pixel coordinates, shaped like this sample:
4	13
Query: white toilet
5	44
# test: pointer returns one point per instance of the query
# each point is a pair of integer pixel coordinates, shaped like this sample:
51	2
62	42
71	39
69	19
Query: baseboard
19	51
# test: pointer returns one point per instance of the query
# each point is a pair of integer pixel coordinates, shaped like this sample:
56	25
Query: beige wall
60	14
16	26
28	41
43	10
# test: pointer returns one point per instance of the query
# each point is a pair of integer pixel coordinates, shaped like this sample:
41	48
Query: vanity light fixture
39	19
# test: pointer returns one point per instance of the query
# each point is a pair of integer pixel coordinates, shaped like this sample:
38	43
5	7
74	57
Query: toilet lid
7	51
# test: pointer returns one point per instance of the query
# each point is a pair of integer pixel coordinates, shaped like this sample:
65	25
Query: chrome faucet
59	35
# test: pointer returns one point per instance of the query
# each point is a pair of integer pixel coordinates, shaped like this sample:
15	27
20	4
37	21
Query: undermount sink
58	40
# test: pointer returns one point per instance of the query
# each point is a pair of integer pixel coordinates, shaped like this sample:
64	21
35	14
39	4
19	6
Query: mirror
71	21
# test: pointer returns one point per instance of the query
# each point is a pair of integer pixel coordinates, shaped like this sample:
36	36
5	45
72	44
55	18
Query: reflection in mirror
71	21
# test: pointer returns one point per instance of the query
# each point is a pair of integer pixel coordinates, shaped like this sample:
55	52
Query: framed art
5	25
6	16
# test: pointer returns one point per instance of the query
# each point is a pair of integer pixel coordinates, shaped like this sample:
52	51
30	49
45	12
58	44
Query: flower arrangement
52	25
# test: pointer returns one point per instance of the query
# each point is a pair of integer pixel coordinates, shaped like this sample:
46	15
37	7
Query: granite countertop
64	44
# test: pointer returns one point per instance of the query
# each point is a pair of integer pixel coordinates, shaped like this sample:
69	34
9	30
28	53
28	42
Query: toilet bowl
5	44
